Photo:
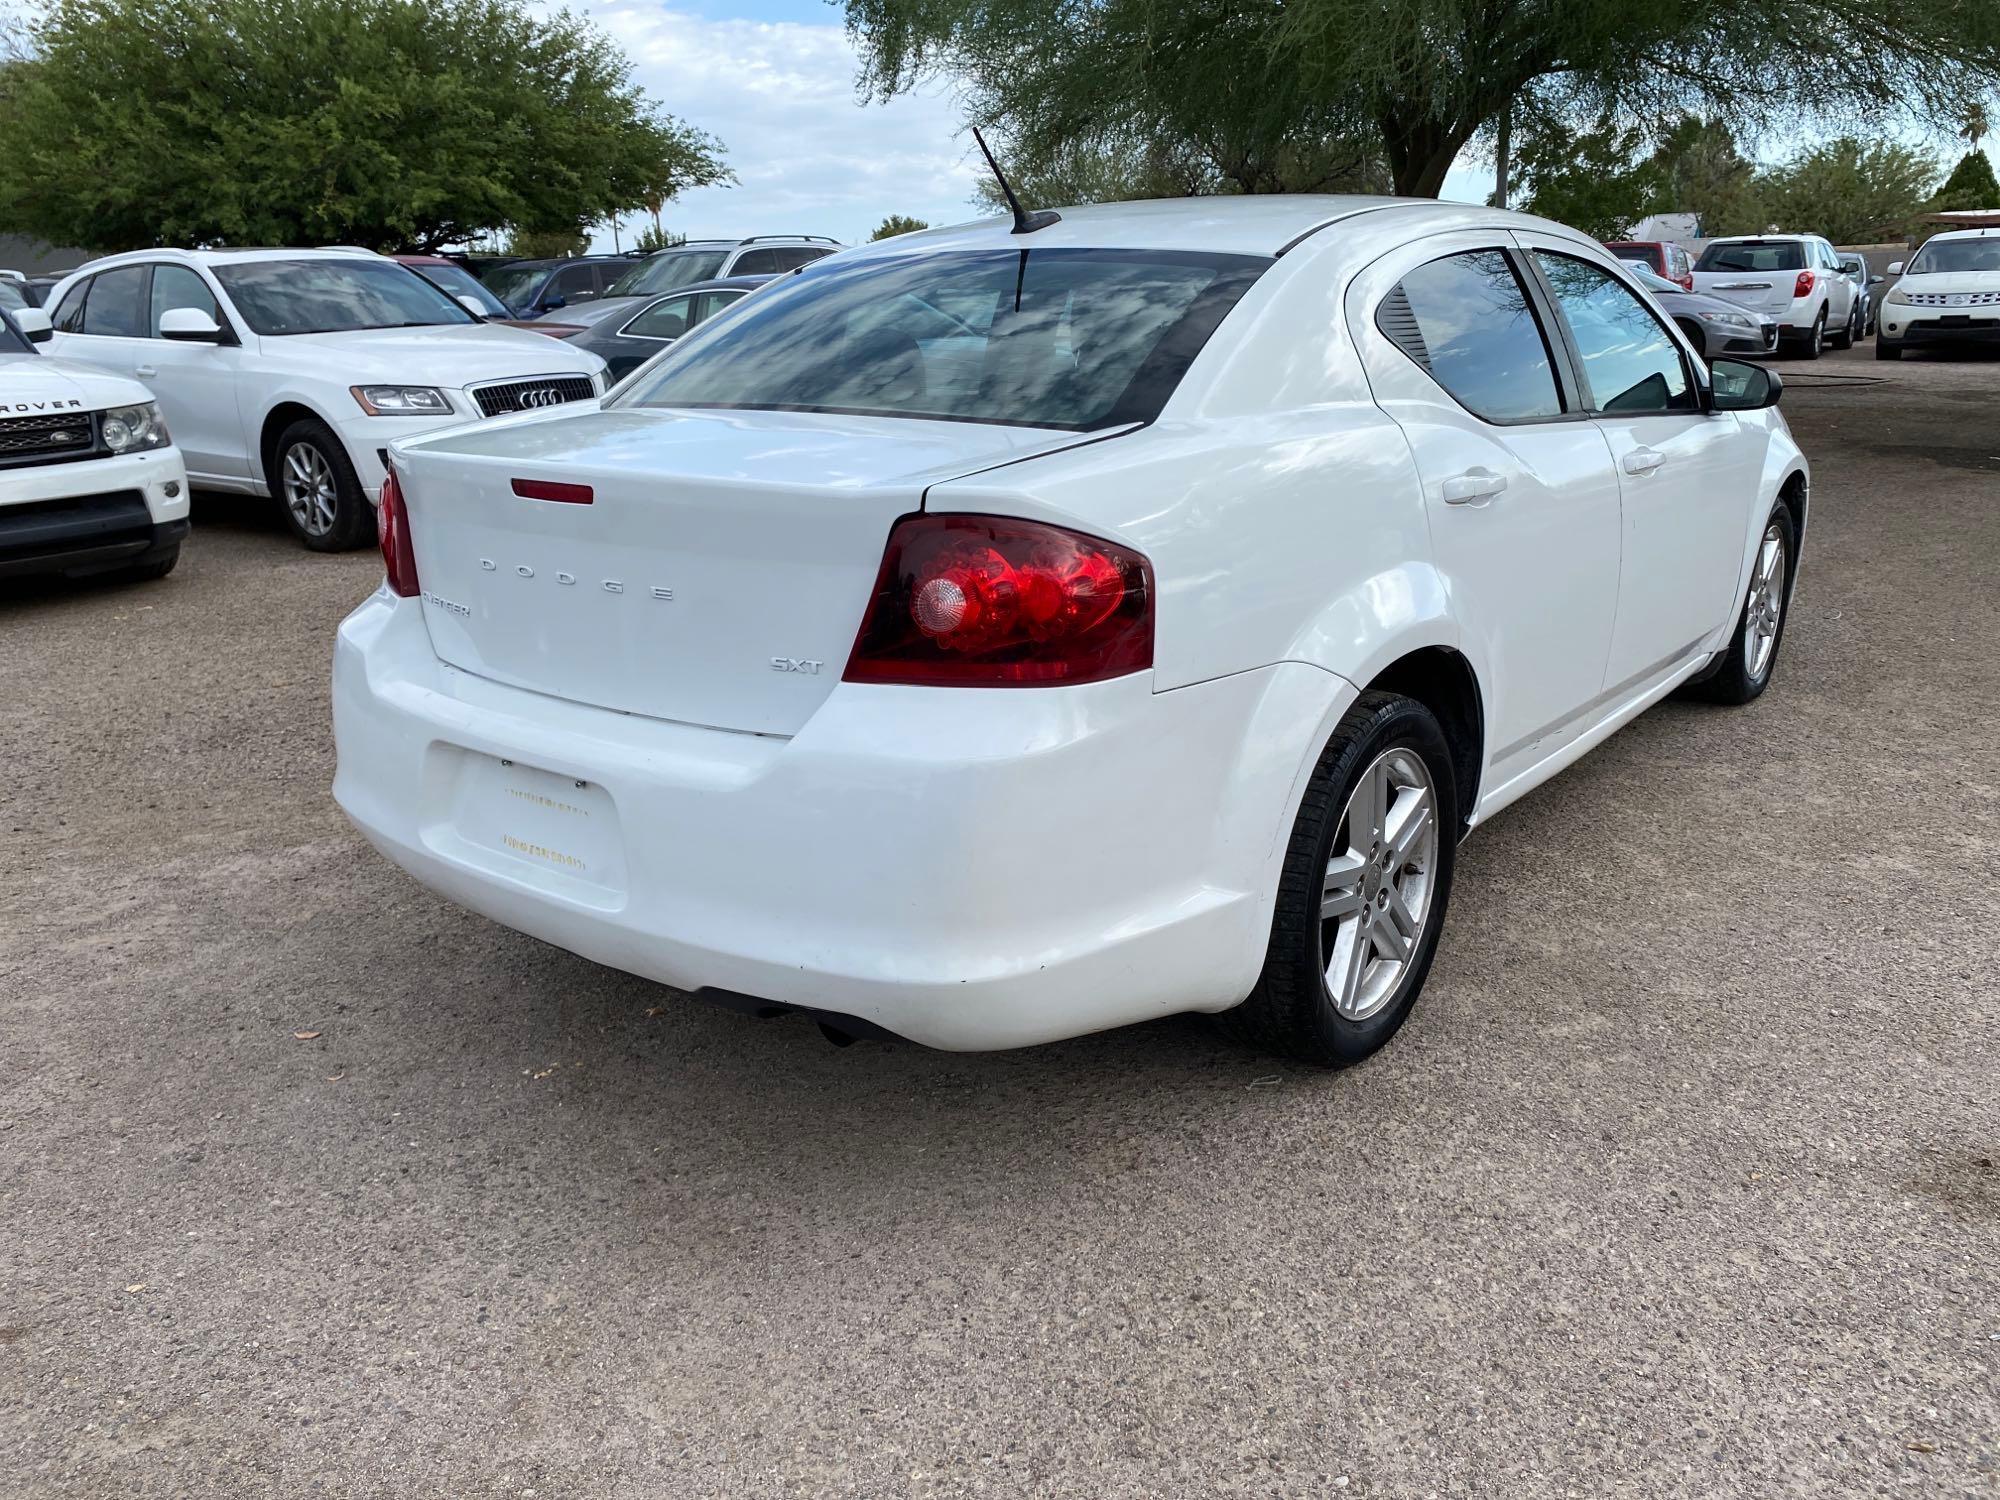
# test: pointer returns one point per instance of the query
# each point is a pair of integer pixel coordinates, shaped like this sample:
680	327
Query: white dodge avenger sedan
991	636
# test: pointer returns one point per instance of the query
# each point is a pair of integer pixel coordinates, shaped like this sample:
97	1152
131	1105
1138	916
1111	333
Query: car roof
1965	234
1246	224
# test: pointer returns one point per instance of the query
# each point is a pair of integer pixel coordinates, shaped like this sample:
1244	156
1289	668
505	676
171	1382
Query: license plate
548	829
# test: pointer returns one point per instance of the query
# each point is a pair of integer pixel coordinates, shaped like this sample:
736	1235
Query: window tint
1466	320
1052	337
1629	362
1726	256
573	284
792	258
514	284
68	316
117	305
459	282
665	319
708	304
667	270
177	286
758	263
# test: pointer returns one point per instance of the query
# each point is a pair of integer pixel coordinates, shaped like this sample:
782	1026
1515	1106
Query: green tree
1595	180
1245	82
547	244
1852	191
389	123
1702	171
897	224
654	237
1971	185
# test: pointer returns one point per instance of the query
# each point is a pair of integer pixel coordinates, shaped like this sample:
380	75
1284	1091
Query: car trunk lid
717	572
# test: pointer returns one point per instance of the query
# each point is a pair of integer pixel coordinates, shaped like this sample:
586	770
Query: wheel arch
281	415
1443	680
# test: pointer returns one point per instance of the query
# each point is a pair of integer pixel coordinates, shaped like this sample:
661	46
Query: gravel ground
1681	1182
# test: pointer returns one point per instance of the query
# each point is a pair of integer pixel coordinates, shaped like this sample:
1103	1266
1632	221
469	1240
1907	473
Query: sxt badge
793	664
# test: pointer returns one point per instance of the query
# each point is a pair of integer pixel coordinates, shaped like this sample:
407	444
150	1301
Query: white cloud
809	154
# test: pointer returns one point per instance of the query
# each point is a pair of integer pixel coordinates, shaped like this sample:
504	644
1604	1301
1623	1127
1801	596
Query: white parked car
90	481
289	372
992	637
1949	294
1793	279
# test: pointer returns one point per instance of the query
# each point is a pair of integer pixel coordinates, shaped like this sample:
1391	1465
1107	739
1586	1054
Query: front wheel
324	503
1361	900
1886	350
1760	628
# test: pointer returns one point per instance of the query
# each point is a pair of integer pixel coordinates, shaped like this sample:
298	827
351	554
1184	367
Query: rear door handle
146	370
1473	485
1643	460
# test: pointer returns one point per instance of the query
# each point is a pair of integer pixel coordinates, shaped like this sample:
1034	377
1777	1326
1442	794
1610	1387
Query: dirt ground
1682	1181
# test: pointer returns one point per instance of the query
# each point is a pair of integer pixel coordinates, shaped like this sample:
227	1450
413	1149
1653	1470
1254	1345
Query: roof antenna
1024	222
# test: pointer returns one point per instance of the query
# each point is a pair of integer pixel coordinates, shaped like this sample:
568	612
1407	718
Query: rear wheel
1760	627
1361	900
1845	338
1815	342
323	499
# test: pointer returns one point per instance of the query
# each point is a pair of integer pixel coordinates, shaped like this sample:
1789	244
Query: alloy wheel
311	493
1376	895
1766	609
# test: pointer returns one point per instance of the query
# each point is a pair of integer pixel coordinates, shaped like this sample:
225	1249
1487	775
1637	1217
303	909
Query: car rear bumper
93	515
967	868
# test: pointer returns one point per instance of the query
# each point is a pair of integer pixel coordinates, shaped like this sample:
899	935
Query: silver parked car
1855	269
1715	327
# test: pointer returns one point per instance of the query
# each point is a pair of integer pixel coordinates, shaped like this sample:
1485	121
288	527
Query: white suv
289	372
1949	294
700	260
1793	279
90	482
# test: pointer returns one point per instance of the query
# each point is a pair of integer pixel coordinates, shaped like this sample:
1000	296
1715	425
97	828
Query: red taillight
1804	285
399	559
1687	280
989	601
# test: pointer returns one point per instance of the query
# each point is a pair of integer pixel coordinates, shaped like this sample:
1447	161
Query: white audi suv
990	636
289	372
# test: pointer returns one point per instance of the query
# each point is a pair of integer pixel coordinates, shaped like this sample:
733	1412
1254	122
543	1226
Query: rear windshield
1780	257
1940	256
1064	338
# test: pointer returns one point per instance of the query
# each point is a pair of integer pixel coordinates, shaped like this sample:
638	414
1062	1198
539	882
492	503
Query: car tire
1815	342
1752	654
323	501
1886	350
1696	336
1352	854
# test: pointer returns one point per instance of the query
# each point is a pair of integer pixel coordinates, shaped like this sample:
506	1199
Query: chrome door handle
1473	484
147	370
1643	460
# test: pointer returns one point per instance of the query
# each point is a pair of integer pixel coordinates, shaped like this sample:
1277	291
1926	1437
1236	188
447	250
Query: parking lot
1683	1180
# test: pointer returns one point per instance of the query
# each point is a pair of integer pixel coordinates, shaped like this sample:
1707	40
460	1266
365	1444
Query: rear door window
117	305
1466	319
573	284
665	319
759	263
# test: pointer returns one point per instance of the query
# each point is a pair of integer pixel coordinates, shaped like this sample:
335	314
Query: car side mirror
1877	280
35	325
553	301
1895	268
1735	385
189	325
471	304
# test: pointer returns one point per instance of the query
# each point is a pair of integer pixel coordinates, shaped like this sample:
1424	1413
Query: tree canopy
387	123
1853	192
897	224
1254	87
1970	185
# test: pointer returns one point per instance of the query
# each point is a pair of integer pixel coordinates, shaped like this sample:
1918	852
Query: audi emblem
545	395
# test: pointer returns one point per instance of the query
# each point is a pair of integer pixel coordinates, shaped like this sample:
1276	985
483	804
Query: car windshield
1942	256
513	284
1037	338
666	271
456	281
12	297
334	296
1737	256
1652	280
